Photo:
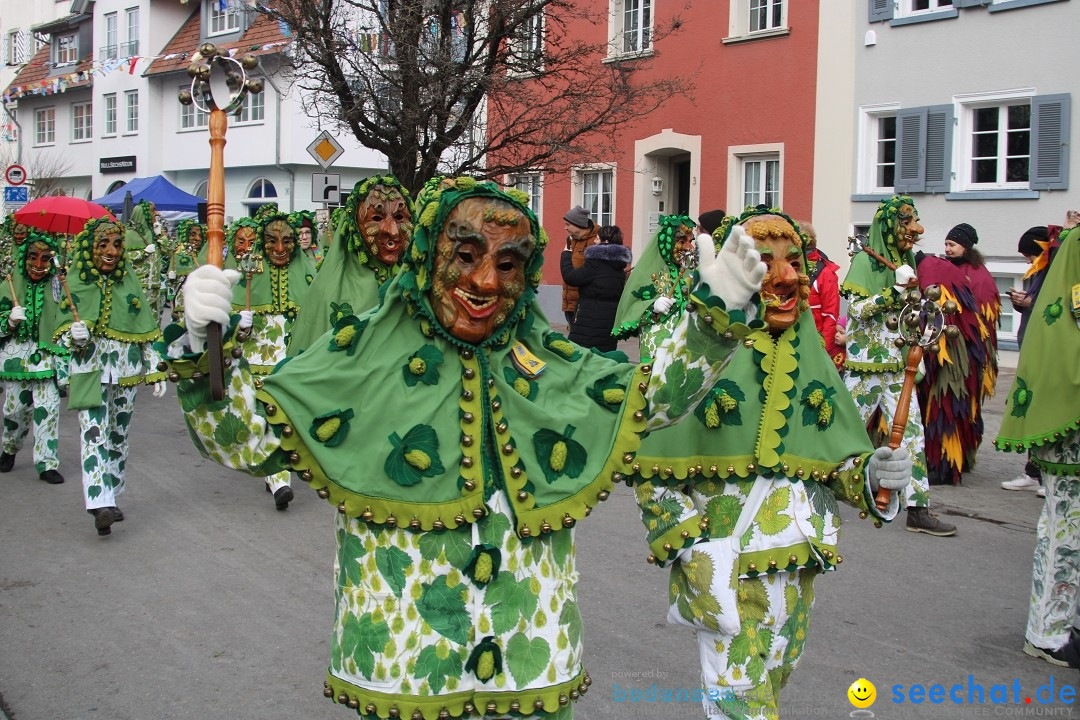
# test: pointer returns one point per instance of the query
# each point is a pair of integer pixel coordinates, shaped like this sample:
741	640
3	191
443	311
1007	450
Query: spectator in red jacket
824	294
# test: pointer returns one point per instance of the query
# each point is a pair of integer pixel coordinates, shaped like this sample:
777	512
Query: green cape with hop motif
868	277
40	300
1044	401
656	273
349	274
275	290
434	424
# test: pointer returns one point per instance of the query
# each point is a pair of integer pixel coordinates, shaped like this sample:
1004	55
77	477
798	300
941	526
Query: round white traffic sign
15	174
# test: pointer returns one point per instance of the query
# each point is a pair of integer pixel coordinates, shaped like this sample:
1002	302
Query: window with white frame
131	18
529	183
66	49
527	47
200	190
761	180
877	149
262	192
884	177
13	57
224	16
109	51
253	110
45	126
110	114
631	25
598	195
81	121
766	15
908	8
191	117
131	111
997	144
1007	278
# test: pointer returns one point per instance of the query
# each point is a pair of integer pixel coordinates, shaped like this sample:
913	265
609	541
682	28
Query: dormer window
65	49
224	17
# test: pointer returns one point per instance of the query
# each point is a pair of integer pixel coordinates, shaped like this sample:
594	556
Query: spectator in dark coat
600	281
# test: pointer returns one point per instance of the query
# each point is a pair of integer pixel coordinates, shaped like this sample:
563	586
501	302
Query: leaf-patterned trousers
881	391
37	403
1056	569
103	432
278	480
741	675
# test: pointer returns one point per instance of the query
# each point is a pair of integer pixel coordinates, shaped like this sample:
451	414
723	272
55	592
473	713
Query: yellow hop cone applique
330	429
485	661
608	393
559	454
418	459
559	345
422	366
347	332
483	565
414	456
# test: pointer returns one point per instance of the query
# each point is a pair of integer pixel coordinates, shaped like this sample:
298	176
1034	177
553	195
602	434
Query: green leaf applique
558	454
422	366
1053	311
1021	398
562	347
721	406
414	457
330	429
523	386
339	311
347	332
483	565
485	661
608	393
817	405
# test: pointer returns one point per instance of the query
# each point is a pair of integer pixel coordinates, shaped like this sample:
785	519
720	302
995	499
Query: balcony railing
129	48
107	53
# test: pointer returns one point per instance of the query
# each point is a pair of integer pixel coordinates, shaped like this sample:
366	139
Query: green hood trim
277	291
1043	404
53	241
349	231
230	234
141	232
656	273
483	427
372	703
868	277
82	252
111	306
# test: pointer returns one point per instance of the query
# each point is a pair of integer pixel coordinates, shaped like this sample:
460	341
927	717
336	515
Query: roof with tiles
36	75
263	37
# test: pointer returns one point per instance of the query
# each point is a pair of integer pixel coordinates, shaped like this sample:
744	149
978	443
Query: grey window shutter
970	3
911	150
880	10
939	133
1049	168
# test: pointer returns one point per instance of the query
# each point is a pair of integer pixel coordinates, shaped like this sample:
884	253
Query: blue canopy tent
157	190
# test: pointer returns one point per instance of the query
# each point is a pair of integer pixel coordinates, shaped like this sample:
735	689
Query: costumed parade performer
306	231
372	235
278	281
29	360
12	235
461	441
187	255
1042	415
144	252
874	363
758	468
110	331
962	373
240	239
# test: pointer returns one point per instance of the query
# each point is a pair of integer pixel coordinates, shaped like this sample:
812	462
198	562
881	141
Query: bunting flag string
60	83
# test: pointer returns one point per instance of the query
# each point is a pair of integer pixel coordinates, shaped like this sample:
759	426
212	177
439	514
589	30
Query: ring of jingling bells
480	258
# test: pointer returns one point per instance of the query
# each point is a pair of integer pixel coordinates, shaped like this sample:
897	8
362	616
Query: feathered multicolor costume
962	374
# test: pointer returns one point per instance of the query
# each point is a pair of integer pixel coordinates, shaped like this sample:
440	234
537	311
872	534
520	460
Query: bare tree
481	87
46	171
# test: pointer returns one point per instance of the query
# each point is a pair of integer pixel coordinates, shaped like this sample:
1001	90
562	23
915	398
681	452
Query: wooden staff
215	236
11	287
899	421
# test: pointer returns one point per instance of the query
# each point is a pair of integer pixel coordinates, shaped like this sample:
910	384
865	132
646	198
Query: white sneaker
1041	492
1024	482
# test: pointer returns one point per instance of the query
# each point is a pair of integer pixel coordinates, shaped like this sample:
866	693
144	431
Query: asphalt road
207	603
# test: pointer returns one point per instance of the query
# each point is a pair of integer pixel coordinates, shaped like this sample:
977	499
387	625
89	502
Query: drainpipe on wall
18	139
277	135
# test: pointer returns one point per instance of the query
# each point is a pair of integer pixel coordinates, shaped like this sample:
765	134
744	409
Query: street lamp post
237	85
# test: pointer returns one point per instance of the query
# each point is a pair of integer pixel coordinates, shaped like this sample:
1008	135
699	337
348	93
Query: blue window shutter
1049	168
939	134
911	150
881	10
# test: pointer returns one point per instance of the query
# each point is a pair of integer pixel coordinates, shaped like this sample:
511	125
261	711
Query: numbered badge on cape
526	363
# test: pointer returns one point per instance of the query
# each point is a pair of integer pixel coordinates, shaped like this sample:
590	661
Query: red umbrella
60	214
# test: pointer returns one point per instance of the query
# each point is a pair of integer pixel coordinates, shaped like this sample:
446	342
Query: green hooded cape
1043	404
112	305
436	424
868	277
653	275
39	300
276	290
349	277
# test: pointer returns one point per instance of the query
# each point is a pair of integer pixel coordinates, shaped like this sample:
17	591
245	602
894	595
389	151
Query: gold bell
469	485
341	508
526	532
438	525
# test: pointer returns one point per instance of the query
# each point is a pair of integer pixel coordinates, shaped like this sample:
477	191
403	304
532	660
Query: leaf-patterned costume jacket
1042	414
779	416
458	479
30	363
106	372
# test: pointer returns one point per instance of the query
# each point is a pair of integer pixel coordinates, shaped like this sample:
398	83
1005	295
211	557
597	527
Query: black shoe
282	497
63	392
920	519
52	477
7	461
103	519
118	514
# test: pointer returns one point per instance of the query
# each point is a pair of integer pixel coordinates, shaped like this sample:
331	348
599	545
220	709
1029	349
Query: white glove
890	469
245	319
662	305
734	274
172	274
80	334
150	248
160	387
17	315
208	293
904	275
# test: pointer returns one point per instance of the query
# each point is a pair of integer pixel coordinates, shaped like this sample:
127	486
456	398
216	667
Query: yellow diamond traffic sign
325	149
